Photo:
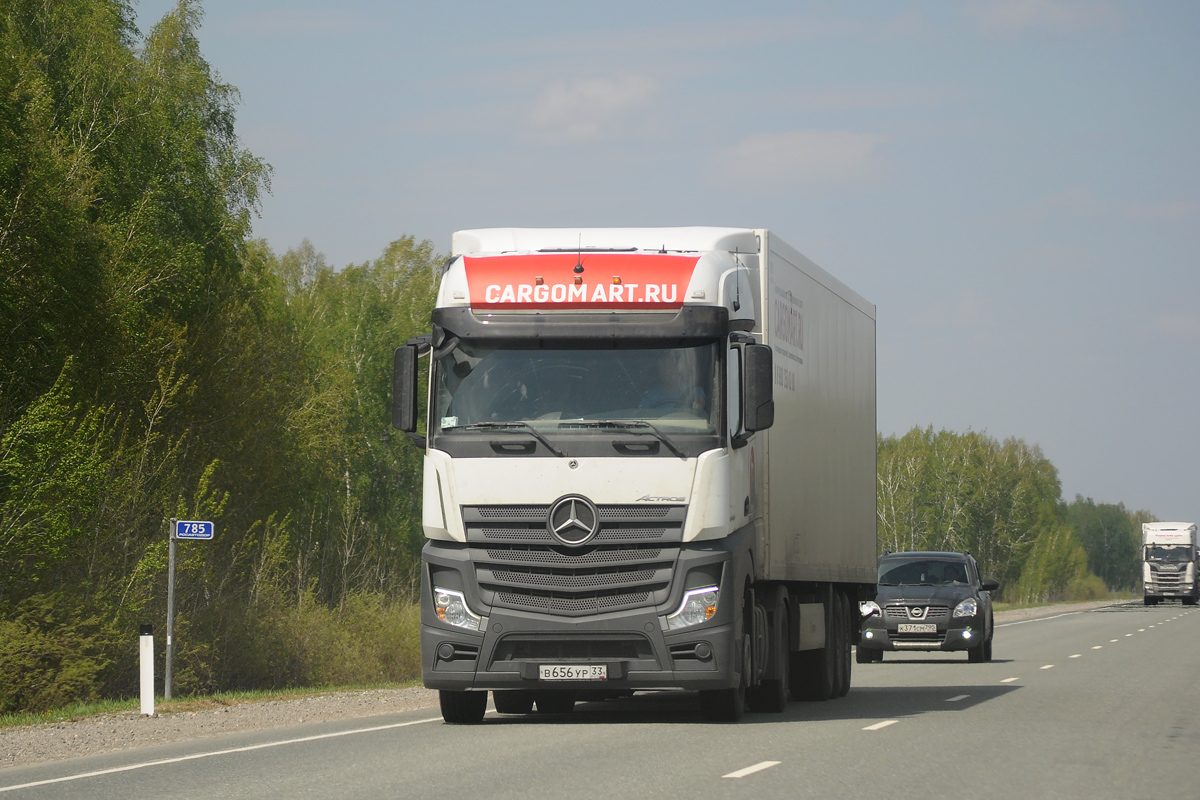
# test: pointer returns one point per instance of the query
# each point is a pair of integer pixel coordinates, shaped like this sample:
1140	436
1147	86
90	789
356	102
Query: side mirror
759	374
404	389
989	585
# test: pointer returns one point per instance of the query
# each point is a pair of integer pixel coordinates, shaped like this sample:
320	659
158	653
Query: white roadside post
180	529
147	669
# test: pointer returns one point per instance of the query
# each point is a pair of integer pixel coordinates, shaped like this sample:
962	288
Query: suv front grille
932	614
628	564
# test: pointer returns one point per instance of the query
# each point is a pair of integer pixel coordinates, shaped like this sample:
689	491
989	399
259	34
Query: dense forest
157	361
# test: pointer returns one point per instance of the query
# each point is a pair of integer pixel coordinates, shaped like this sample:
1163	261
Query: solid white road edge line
195	756
879	725
759	767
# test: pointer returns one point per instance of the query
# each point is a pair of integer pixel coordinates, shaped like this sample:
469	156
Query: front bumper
636	652
957	633
1172	591
511	644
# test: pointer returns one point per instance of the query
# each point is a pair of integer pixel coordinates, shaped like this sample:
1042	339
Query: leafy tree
1111	535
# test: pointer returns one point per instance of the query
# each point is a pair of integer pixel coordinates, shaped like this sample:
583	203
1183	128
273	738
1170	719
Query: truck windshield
556	388
923	573
1179	552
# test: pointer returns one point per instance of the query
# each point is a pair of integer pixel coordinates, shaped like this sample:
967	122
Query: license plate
917	627
573	672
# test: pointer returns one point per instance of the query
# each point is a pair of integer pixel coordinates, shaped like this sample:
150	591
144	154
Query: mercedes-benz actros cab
649	464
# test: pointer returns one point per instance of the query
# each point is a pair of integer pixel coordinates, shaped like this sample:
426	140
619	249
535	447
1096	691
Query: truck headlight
869	608
451	608
967	608
699	605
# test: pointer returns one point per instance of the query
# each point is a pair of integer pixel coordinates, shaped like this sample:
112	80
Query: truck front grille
628	564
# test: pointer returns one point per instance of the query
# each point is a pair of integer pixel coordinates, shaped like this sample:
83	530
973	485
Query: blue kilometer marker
193	529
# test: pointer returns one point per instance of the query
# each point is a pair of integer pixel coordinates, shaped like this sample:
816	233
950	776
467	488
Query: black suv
928	601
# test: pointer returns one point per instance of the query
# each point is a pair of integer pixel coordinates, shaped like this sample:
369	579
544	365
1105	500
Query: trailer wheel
462	708
513	701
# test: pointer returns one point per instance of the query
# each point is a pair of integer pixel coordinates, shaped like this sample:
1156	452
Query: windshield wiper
511	426
631	425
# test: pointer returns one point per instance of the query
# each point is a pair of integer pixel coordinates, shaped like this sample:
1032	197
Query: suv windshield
1179	552
923	572
552	388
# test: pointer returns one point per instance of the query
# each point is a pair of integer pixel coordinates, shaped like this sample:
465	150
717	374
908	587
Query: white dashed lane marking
1098	647
1077	655
1010	680
957	697
759	767
1048	666
879	725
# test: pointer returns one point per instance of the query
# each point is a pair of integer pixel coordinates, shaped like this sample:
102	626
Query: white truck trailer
649	464
1169	561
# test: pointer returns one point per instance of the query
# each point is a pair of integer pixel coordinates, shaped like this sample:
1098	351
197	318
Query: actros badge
574	520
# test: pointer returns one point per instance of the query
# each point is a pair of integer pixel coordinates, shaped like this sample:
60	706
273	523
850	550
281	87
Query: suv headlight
967	608
451	608
699	605
869	608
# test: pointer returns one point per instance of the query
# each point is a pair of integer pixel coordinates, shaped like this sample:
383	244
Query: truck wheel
845	663
462	708
513	701
728	705
555	702
771	696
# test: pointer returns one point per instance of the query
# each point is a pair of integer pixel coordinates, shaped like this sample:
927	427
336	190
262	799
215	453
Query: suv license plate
917	627
573	672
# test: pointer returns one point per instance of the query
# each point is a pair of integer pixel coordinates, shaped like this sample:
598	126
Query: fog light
869	635
966	634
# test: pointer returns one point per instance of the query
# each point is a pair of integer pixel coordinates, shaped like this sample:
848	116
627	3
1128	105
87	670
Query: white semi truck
1169	562
649	464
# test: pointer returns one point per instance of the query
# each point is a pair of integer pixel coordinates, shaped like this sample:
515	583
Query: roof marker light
616	280
538	280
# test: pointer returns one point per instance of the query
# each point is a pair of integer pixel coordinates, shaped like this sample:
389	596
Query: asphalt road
1095	704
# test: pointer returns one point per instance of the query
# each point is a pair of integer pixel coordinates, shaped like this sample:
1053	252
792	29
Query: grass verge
77	711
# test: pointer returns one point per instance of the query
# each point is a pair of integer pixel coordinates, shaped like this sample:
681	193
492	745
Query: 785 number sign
193	529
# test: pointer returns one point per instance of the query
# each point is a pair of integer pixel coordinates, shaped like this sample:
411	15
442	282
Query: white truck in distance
1169	561
649	464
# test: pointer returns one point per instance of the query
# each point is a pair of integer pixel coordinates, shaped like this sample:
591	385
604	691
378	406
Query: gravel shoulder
54	741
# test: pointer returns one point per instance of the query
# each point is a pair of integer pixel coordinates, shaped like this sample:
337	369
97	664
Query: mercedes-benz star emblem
573	520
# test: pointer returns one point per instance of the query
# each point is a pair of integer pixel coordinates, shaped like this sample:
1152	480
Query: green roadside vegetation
157	361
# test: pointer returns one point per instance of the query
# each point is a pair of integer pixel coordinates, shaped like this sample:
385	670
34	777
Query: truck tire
513	701
728	705
555	702
845	663
462	708
771	696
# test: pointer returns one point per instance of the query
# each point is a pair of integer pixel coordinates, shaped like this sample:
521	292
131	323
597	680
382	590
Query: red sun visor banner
553	281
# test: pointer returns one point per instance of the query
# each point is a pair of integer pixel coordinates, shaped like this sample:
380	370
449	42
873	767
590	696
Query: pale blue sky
1015	183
